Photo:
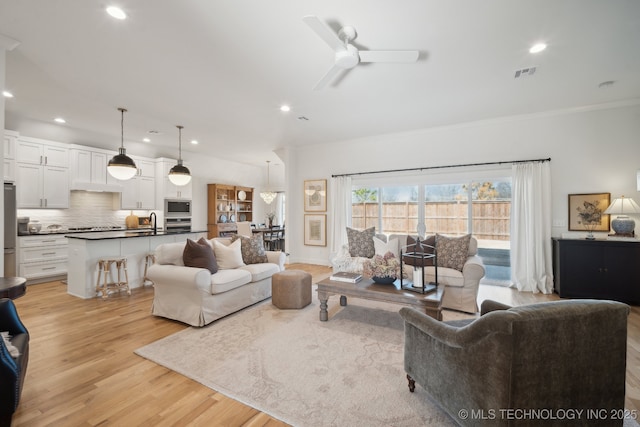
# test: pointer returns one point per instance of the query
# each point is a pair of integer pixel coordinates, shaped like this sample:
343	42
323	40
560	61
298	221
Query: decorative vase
383	280
270	223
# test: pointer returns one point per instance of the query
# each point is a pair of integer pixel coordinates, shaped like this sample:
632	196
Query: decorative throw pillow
361	242
228	257
199	254
382	247
452	251
425	246
252	248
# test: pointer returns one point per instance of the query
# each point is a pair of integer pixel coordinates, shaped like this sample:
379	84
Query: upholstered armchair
552	356
12	370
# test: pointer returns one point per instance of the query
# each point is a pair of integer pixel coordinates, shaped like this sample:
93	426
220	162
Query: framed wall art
586	212
315	195
315	230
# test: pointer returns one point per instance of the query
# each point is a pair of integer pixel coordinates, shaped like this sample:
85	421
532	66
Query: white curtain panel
340	198
531	259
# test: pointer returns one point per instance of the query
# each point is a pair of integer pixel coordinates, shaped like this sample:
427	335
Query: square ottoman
291	289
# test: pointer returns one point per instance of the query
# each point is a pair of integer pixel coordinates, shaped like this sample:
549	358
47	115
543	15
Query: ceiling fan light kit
121	166
347	56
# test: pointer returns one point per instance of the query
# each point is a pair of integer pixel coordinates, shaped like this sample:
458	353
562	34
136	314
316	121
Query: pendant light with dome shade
179	174
268	196
121	166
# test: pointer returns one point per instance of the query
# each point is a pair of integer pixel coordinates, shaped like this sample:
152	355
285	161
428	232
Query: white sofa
461	292
197	297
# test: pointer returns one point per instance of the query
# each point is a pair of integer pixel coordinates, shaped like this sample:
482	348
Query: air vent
525	72
154	132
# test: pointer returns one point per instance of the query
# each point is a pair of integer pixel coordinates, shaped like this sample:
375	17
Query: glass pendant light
179	174
121	166
268	196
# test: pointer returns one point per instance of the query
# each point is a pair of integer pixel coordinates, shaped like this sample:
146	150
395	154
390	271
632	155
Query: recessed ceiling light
7	94
116	12
59	120
285	108
146	140
194	142
537	48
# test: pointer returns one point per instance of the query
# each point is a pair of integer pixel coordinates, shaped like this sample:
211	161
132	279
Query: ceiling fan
347	56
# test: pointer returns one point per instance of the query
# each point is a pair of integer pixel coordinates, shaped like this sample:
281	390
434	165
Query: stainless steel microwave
180	208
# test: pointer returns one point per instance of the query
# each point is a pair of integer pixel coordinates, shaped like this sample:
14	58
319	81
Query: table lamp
622	224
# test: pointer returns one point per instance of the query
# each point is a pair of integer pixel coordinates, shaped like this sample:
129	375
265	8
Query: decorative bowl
383	280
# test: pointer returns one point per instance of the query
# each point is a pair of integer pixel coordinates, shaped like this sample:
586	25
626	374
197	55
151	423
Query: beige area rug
344	372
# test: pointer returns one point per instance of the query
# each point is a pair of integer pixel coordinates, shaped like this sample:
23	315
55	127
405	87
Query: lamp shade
623	225
121	166
623	206
179	174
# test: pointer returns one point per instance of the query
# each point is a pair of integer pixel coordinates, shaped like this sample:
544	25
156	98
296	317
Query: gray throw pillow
252	248
452	251
361	242
199	254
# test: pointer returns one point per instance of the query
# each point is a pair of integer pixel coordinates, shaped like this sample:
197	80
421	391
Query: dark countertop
65	231
125	234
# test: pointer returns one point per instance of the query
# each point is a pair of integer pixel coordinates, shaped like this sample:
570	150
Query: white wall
591	150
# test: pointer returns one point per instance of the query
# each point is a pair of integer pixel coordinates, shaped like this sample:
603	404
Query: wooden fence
491	218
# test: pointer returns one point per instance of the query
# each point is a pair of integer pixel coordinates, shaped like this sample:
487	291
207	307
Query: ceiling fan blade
389	55
324	32
331	74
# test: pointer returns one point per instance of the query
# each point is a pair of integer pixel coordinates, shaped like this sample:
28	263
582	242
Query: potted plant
270	217
382	269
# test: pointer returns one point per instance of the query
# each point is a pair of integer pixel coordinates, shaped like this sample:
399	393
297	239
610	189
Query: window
478	206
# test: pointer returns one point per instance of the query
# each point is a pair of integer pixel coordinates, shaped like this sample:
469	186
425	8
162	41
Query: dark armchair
553	356
12	371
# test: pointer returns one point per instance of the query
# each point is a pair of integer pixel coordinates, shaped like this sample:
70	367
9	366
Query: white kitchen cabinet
165	188
42	174
41	257
88	170
140	191
39	152
9	140
42	186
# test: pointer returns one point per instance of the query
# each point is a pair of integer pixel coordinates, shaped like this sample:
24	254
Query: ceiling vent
525	72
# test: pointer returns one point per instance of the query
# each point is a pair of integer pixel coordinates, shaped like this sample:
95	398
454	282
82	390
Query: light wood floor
83	372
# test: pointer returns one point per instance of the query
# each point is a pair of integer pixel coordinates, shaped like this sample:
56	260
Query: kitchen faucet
155	222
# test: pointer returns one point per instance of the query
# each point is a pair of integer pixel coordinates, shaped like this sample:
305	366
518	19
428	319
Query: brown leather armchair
553	356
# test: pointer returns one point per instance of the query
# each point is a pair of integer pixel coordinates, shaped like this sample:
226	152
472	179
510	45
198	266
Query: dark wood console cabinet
601	269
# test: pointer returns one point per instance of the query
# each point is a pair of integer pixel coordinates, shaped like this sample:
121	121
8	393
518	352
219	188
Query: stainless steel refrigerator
10	230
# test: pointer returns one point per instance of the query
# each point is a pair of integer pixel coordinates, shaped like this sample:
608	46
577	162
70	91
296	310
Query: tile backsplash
86	209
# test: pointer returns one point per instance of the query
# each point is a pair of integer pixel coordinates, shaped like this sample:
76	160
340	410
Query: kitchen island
85	249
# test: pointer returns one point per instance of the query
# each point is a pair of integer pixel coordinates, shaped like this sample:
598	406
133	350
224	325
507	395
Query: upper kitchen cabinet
42	174
89	170
167	189
9	139
140	191
40	152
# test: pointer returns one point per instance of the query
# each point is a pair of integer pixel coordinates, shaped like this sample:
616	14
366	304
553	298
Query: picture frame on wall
315	195
315	230
586	212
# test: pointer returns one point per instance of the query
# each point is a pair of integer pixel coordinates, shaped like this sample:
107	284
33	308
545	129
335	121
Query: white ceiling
221	68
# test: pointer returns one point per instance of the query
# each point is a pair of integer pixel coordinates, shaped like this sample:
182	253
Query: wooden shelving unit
226	205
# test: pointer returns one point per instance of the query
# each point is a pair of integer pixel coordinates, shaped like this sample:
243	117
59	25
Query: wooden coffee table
431	303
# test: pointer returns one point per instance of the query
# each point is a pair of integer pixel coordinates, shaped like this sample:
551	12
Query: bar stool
149	259
104	271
